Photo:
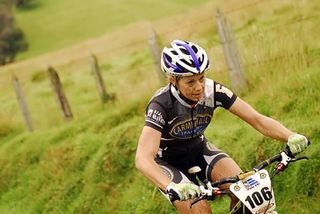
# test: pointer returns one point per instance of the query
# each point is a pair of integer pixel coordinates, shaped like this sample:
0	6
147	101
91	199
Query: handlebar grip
288	152
173	196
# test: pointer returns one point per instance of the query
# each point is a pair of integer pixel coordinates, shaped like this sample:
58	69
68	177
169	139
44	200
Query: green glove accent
184	191
297	143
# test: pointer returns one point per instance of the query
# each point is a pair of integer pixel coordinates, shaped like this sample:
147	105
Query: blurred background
75	78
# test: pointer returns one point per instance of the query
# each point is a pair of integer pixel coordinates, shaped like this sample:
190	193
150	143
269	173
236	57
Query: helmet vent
174	52
184	51
184	58
194	48
188	63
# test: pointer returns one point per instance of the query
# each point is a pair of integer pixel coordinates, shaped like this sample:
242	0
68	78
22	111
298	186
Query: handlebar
211	189
283	158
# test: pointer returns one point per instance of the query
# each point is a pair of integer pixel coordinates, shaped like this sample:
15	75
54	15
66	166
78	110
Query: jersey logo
188	128
155	116
222	89
171	121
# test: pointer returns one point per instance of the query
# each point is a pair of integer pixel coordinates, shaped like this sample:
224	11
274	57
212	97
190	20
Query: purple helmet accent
192	53
176	68
184	58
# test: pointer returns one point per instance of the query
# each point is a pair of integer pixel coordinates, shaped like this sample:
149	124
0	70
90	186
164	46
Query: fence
228	42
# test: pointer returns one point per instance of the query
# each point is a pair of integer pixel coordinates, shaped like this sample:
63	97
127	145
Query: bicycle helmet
184	58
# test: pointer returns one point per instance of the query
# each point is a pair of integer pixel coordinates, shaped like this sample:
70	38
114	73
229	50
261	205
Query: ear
173	80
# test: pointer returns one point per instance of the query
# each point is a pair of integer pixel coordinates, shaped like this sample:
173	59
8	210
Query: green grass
53	25
87	165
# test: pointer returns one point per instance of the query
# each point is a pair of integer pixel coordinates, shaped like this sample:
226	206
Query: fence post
231	52
99	80
22	102
155	52
61	97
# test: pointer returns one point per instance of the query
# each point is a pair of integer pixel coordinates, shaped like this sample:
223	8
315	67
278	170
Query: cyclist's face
192	87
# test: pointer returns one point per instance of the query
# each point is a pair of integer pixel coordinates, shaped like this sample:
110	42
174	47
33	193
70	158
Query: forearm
150	169
272	128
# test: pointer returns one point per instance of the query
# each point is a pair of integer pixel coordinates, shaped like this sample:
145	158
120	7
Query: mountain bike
253	188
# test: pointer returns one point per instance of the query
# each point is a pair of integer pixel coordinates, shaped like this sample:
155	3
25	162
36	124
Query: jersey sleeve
224	97
155	116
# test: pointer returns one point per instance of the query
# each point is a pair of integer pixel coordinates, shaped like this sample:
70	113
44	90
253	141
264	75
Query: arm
148	146
266	125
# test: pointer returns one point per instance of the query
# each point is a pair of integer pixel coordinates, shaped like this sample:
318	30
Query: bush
12	39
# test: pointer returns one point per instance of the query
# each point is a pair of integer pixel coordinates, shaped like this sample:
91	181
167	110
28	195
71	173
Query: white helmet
184	59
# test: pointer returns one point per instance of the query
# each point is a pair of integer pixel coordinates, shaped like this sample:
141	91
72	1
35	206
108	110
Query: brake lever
299	158
281	166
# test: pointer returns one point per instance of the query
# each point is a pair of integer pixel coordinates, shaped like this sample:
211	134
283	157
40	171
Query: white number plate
255	192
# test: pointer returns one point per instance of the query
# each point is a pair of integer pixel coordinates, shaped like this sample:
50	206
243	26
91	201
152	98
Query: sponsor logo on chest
189	128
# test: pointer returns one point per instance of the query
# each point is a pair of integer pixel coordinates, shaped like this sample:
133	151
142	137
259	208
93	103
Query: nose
198	86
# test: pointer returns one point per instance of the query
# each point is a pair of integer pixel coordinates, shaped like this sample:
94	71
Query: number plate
255	192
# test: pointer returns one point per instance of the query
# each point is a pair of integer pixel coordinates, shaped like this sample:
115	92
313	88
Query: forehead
193	77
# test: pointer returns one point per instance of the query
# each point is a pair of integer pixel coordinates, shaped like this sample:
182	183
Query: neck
190	102
182	99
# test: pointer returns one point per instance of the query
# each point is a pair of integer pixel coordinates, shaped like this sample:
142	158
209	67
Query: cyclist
172	139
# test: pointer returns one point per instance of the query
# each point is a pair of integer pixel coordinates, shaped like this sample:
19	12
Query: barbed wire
279	58
284	25
245	6
210	18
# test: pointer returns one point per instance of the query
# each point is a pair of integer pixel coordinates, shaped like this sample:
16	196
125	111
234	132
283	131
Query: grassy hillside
87	165
65	23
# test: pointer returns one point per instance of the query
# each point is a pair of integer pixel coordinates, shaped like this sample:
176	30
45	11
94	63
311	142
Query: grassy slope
56	24
87	165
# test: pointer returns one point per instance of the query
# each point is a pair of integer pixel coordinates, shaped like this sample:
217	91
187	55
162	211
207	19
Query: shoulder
209	87
212	87
162	96
221	94
157	109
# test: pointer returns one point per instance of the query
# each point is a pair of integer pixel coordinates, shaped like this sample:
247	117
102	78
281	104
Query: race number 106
257	198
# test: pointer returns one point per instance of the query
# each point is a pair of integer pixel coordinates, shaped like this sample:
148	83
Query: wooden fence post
231	53
156	55
99	80
22	102
61	97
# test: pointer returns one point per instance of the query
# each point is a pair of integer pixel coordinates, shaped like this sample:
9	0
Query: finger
184	196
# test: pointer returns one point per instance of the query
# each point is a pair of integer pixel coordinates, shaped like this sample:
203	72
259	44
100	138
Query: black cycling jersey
182	124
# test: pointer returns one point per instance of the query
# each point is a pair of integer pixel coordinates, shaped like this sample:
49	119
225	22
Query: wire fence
207	21
251	4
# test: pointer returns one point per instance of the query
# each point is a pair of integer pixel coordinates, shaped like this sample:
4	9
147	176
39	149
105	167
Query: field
66	23
87	165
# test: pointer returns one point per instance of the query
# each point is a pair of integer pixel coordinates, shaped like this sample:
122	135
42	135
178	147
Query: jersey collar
179	97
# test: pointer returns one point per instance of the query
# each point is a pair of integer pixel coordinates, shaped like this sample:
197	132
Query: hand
297	143
183	191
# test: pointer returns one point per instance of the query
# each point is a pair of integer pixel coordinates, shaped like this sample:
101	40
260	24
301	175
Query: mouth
197	96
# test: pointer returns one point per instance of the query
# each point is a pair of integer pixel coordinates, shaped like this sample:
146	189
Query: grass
87	165
57	24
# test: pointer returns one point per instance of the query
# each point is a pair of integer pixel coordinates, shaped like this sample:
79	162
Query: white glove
183	191
297	143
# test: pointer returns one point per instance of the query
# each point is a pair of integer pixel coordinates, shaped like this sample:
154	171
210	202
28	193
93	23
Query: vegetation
87	165
56	28
12	38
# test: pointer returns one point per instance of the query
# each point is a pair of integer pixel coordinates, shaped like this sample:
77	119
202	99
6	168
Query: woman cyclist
173	140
